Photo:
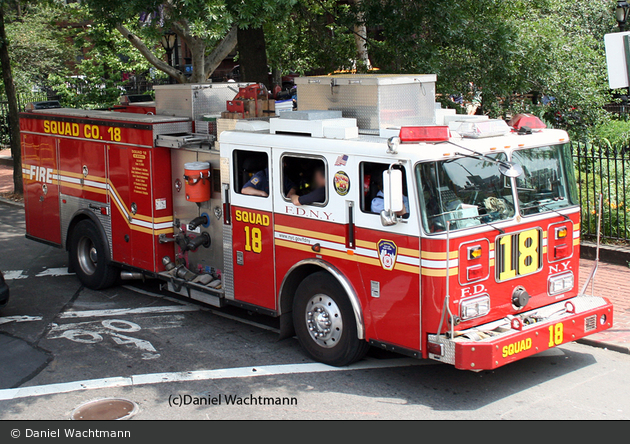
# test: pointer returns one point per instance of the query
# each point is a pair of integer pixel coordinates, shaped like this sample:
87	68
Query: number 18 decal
253	239
556	334
518	254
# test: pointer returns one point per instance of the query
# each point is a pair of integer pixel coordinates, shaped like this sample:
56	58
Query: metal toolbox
194	100
377	101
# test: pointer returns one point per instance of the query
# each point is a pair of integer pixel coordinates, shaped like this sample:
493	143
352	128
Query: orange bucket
197	178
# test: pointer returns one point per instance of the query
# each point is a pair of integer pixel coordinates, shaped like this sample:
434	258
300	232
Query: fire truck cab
368	217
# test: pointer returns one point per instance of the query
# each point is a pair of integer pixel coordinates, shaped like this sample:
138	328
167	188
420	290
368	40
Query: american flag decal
341	160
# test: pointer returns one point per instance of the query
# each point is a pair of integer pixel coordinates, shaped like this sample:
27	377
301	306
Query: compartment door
41	187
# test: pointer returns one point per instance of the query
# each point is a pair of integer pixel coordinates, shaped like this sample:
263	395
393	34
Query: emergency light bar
526	120
424	134
481	128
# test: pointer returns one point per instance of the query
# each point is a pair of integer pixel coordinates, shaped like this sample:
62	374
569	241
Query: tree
9	89
208	27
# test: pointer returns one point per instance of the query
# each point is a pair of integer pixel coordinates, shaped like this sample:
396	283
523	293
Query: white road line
14	274
8	319
203	308
126	311
202	375
55	272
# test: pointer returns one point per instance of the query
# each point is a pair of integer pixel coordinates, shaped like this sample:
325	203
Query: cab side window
251	173
372	198
304	180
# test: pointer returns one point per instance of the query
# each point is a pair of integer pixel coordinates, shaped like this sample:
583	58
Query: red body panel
103	161
41	187
394	317
252	236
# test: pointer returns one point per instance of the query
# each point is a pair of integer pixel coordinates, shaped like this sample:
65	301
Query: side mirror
392	196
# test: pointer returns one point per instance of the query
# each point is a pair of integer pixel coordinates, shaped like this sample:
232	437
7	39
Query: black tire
321	300
89	257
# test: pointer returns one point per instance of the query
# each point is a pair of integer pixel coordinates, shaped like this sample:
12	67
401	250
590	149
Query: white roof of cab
373	146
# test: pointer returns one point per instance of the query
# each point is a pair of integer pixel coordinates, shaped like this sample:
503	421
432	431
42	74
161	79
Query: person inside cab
258	185
318	195
378	203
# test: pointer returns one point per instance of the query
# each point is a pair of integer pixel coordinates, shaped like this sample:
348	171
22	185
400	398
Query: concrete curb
8	161
11	202
611	254
605	345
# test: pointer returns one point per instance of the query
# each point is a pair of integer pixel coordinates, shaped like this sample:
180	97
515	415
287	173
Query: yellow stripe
313	234
80	176
544	250
437	272
438	255
344	256
544	234
492	262
576	241
83	188
407	268
576	227
491	246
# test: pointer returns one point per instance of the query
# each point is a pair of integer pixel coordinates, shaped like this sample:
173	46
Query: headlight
474	307
560	283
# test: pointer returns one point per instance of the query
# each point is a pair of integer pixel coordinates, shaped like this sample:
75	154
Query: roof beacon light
530	121
482	128
424	134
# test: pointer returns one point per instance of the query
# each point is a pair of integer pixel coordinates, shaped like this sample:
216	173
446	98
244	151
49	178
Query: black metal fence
23	100
606	170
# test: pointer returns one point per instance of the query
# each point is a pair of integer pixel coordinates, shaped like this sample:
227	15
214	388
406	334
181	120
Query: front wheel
89	258
324	322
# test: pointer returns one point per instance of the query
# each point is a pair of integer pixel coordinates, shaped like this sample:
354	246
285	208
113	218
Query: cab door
252	227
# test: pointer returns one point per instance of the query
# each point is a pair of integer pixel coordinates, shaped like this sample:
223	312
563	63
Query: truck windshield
468	191
548	181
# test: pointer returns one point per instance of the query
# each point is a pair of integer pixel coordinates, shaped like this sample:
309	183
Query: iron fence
606	170
22	100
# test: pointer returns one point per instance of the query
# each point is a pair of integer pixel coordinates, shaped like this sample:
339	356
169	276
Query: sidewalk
610	281
6	172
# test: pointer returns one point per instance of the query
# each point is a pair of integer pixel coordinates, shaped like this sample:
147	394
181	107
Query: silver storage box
194	100
377	101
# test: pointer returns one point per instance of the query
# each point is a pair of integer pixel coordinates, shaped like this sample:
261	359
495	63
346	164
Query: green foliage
34	48
102	57
615	133
309	40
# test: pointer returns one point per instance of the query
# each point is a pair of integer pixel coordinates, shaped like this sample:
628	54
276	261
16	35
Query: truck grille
590	323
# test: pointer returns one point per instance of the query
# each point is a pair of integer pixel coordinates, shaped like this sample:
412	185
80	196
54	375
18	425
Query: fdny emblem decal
387	253
342	183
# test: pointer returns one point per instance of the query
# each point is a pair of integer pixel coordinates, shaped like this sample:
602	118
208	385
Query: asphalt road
137	342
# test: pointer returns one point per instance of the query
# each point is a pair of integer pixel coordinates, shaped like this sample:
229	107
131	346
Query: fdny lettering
471	291
559	267
40	174
308	212
61	128
252	218
517	347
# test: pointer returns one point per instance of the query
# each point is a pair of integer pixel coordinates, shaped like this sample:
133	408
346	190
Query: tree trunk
198	50
14	122
253	56
360	40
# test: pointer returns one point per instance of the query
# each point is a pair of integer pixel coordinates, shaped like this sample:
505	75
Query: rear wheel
324	321
89	257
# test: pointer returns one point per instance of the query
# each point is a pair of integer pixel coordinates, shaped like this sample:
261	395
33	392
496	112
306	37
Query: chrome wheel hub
323	319
87	256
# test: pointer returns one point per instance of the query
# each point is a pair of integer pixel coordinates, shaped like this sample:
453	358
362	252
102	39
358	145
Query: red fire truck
369	217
